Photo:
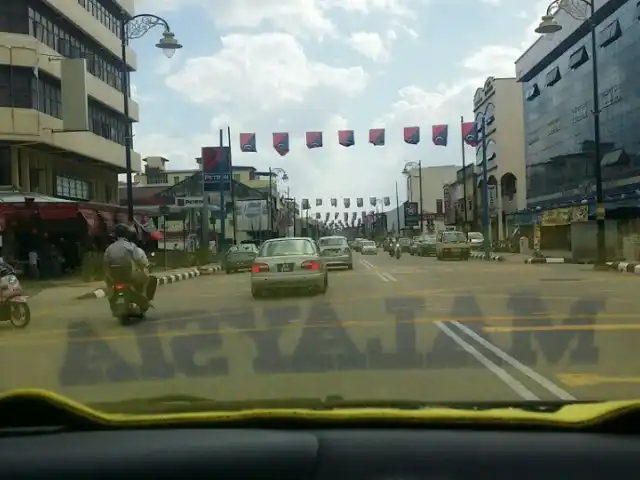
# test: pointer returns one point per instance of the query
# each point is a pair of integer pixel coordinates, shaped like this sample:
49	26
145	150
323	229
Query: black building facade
558	119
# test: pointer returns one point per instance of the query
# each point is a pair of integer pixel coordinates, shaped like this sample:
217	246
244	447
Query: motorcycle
126	302
14	306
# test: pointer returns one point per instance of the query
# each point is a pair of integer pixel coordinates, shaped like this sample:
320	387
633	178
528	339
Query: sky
293	66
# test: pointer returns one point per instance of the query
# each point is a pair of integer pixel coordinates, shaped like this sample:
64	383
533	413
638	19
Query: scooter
14	306
126	304
398	252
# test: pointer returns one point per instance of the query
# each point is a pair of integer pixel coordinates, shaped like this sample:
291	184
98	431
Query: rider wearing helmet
124	255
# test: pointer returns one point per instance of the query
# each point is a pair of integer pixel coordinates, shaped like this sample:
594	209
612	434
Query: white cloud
265	71
371	45
493	60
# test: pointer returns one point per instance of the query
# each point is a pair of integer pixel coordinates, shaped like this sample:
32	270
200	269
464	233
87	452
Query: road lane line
366	264
498	371
382	277
389	277
528	372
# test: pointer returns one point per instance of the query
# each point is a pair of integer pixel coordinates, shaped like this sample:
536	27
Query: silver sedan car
287	264
336	252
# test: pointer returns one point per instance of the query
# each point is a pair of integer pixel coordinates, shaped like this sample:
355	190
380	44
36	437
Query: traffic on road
410	327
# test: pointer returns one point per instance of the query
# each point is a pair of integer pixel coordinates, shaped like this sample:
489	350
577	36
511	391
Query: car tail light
311	265
259	267
119	287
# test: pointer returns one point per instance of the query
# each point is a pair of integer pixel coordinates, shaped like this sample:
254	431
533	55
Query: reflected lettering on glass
192	347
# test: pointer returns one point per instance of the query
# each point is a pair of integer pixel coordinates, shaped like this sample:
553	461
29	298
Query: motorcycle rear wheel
20	315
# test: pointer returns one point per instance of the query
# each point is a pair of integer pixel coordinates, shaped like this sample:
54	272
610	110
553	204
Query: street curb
492	257
538	260
164	280
625	267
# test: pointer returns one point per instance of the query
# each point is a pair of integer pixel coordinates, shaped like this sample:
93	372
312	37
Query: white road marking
512	382
528	372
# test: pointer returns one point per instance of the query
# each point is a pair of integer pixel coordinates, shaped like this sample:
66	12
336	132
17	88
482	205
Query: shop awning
58	211
93	220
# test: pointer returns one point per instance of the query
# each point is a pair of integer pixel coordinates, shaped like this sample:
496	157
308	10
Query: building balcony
22	125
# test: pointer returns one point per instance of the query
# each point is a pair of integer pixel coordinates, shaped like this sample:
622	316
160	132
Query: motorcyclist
125	261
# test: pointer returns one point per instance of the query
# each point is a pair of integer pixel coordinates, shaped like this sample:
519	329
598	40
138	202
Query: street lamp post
407	171
278	173
584	10
130	29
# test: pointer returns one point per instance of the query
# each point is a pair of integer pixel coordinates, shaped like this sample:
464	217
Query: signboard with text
216	167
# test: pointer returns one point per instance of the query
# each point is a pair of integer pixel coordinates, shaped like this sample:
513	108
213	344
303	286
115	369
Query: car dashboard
333	454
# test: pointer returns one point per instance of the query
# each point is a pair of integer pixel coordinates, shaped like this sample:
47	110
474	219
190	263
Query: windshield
332	242
295	127
278	248
454	237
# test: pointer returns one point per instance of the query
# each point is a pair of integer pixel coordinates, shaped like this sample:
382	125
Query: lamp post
584	10
408	167
278	173
130	29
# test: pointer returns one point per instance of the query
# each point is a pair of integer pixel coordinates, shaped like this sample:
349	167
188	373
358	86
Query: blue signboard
216	168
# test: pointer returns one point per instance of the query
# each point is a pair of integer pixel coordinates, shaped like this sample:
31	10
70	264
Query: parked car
476	240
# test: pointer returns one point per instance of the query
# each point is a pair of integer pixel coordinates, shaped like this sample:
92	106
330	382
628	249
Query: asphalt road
412	328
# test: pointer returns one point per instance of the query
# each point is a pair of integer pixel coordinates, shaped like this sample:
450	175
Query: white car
476	240
369	248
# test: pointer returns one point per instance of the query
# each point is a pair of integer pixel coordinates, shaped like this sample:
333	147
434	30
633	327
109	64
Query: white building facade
433	181
499	102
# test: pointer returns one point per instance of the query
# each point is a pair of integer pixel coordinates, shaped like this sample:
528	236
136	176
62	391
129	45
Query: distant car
239	257
369	247
452	244
335	251
288	264
427	246
476	240
405	244
414	248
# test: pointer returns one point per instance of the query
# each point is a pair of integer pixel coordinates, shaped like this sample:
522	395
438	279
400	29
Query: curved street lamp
278	173
584	10
130	29
408	167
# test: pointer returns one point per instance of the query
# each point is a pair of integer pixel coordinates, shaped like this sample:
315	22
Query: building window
176	180
64	38
15	87
610	33
157	179
579	57
46	97
72	188
103	15
237	177
552	77
13	17
533	92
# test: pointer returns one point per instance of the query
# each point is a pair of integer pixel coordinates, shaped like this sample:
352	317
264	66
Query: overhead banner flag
359	202
318	215
440	135
347	202
314	139
305	204
334	202
336	215
373	201
346	217
387	201
248	142
412	135
281	143
376	137
346	138
318	202
470	134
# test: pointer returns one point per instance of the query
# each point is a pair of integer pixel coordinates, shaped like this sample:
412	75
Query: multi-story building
433	180
38	153
454	199
557	85
499	102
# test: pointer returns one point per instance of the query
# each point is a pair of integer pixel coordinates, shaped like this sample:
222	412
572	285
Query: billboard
252	215
216	167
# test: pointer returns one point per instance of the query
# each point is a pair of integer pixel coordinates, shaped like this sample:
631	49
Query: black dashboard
331	453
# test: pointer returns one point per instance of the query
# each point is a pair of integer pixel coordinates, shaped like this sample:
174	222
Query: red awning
58	211
107	217
92	219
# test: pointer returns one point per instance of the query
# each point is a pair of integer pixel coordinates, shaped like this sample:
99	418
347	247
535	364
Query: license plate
120	301
285	267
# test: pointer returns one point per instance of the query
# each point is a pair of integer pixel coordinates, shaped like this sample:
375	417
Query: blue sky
266	66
